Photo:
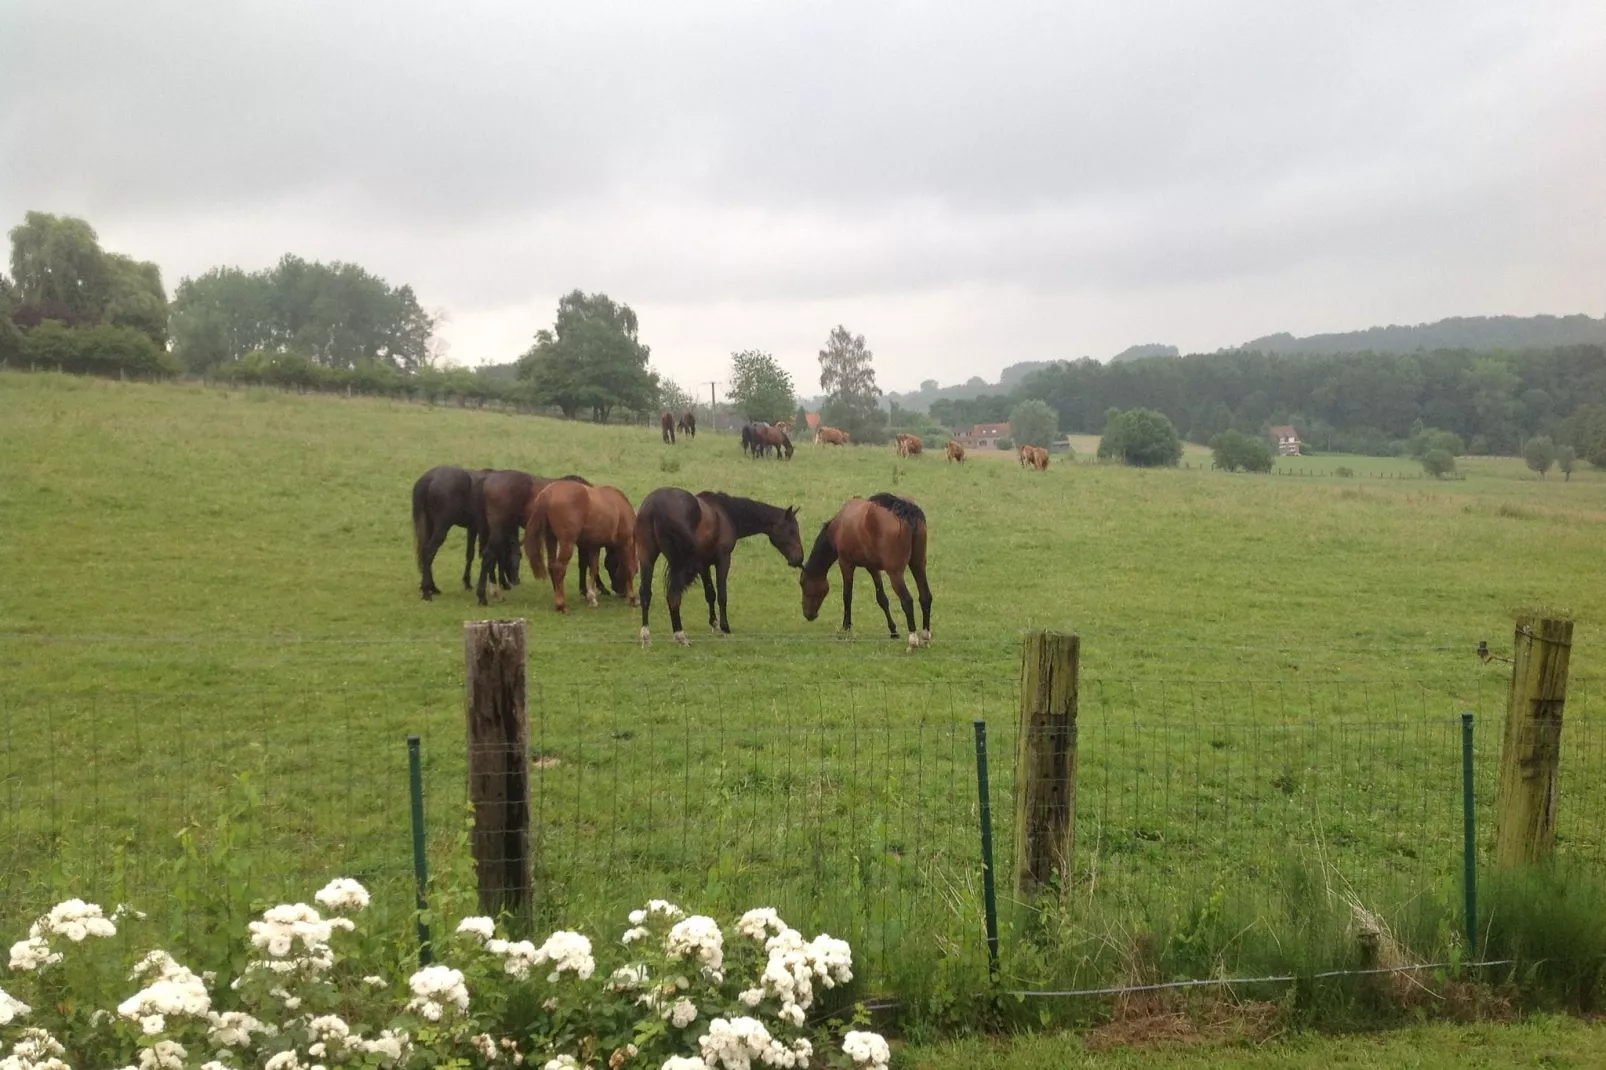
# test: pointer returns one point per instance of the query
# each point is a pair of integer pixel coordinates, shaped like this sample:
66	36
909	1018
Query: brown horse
688	424
442	500
910	445
666	426
567	515
830	436
1039	457
759	438
884	533
500	501
955	452
696	534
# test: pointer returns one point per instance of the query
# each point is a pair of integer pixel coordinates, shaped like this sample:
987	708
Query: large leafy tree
852	397
1141	437
759	387
592	358
10	337
60	272
337	315
672	397
1033	423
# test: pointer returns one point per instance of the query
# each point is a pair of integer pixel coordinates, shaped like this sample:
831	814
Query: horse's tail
677	544
535	536
421	519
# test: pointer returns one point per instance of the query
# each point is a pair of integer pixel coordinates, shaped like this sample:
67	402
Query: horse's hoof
680	637
914	641
925	637
713	629
591	600
646	637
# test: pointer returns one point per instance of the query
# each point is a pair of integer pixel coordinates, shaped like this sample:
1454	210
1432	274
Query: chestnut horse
566	515
1036	456
666	426
910	445
500	502
443	500
830	436
955	451
766	436
687	424
882	534
696	534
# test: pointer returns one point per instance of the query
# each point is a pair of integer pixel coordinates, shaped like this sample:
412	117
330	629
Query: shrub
1005	443
1033	423
1141	437
1566	460
315	990
1344	471
1438	463
1235	451
1551	919
1433	439
1540	454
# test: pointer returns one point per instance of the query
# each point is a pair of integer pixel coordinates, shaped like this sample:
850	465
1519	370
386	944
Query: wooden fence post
498	714
1045	763
1525	812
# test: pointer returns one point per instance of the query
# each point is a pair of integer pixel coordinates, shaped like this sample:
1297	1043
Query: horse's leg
432	545
588	574
560	572
908	604
723	571
677	587
708	593
847	596
490	554
886	606
649	561
468	562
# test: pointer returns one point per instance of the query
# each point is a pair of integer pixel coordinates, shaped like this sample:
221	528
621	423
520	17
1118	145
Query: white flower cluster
638	918
866	1049
735	1043
284	926
176	991
11	1008
483	928
758	924
233	1029
681	1013
342	895
35	1049
564	952
435	987
163	1055
699	937
794	966
74	919
684	1062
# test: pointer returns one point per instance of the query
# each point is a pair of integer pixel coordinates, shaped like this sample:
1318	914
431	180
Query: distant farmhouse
1286	440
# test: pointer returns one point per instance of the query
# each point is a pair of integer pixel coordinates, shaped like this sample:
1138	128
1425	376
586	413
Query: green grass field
201	582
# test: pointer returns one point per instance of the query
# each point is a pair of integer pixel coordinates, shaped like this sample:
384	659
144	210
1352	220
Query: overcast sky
968	185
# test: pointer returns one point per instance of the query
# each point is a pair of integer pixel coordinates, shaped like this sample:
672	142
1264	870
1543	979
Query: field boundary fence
852	809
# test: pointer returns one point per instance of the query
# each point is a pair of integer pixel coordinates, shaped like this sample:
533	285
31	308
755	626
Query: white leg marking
680	637
914	640
646	637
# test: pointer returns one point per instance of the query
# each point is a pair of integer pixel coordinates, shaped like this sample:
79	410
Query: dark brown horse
688	424
666	427
884	533
696	534
443	500
765	437
566	515
500	502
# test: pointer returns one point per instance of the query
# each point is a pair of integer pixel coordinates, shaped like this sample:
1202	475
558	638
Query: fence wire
851	808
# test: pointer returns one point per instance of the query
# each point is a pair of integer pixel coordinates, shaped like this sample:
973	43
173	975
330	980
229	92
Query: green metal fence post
415	777
1469	845
989	896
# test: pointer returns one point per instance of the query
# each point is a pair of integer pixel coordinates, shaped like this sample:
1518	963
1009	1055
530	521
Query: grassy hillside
203	582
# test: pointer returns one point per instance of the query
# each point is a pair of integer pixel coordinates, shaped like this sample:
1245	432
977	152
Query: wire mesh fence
852	808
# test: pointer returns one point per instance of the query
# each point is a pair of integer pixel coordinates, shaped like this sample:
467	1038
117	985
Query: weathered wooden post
1525	811
497	709
1045	764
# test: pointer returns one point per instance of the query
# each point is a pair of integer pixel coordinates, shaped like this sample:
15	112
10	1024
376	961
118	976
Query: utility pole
712	404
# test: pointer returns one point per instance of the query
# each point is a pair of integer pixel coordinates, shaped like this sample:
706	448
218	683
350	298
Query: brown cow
830	436
910	445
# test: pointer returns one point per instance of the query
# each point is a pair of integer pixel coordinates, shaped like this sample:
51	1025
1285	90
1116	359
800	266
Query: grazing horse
910	445
687	424
830	436
1035	456
766	436
884	533
666	426
442	500
696	534
566	515
500	502
955	452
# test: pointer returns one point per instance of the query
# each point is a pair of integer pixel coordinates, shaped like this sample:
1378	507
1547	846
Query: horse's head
786	539
815	588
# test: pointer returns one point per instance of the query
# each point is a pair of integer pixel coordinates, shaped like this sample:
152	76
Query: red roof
813	418
989	430
1284	432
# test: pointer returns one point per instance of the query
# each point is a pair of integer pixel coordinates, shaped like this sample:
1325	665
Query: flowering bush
677	997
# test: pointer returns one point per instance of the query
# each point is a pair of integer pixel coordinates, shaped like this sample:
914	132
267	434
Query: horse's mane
902	508
743	512
823	556
574	479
